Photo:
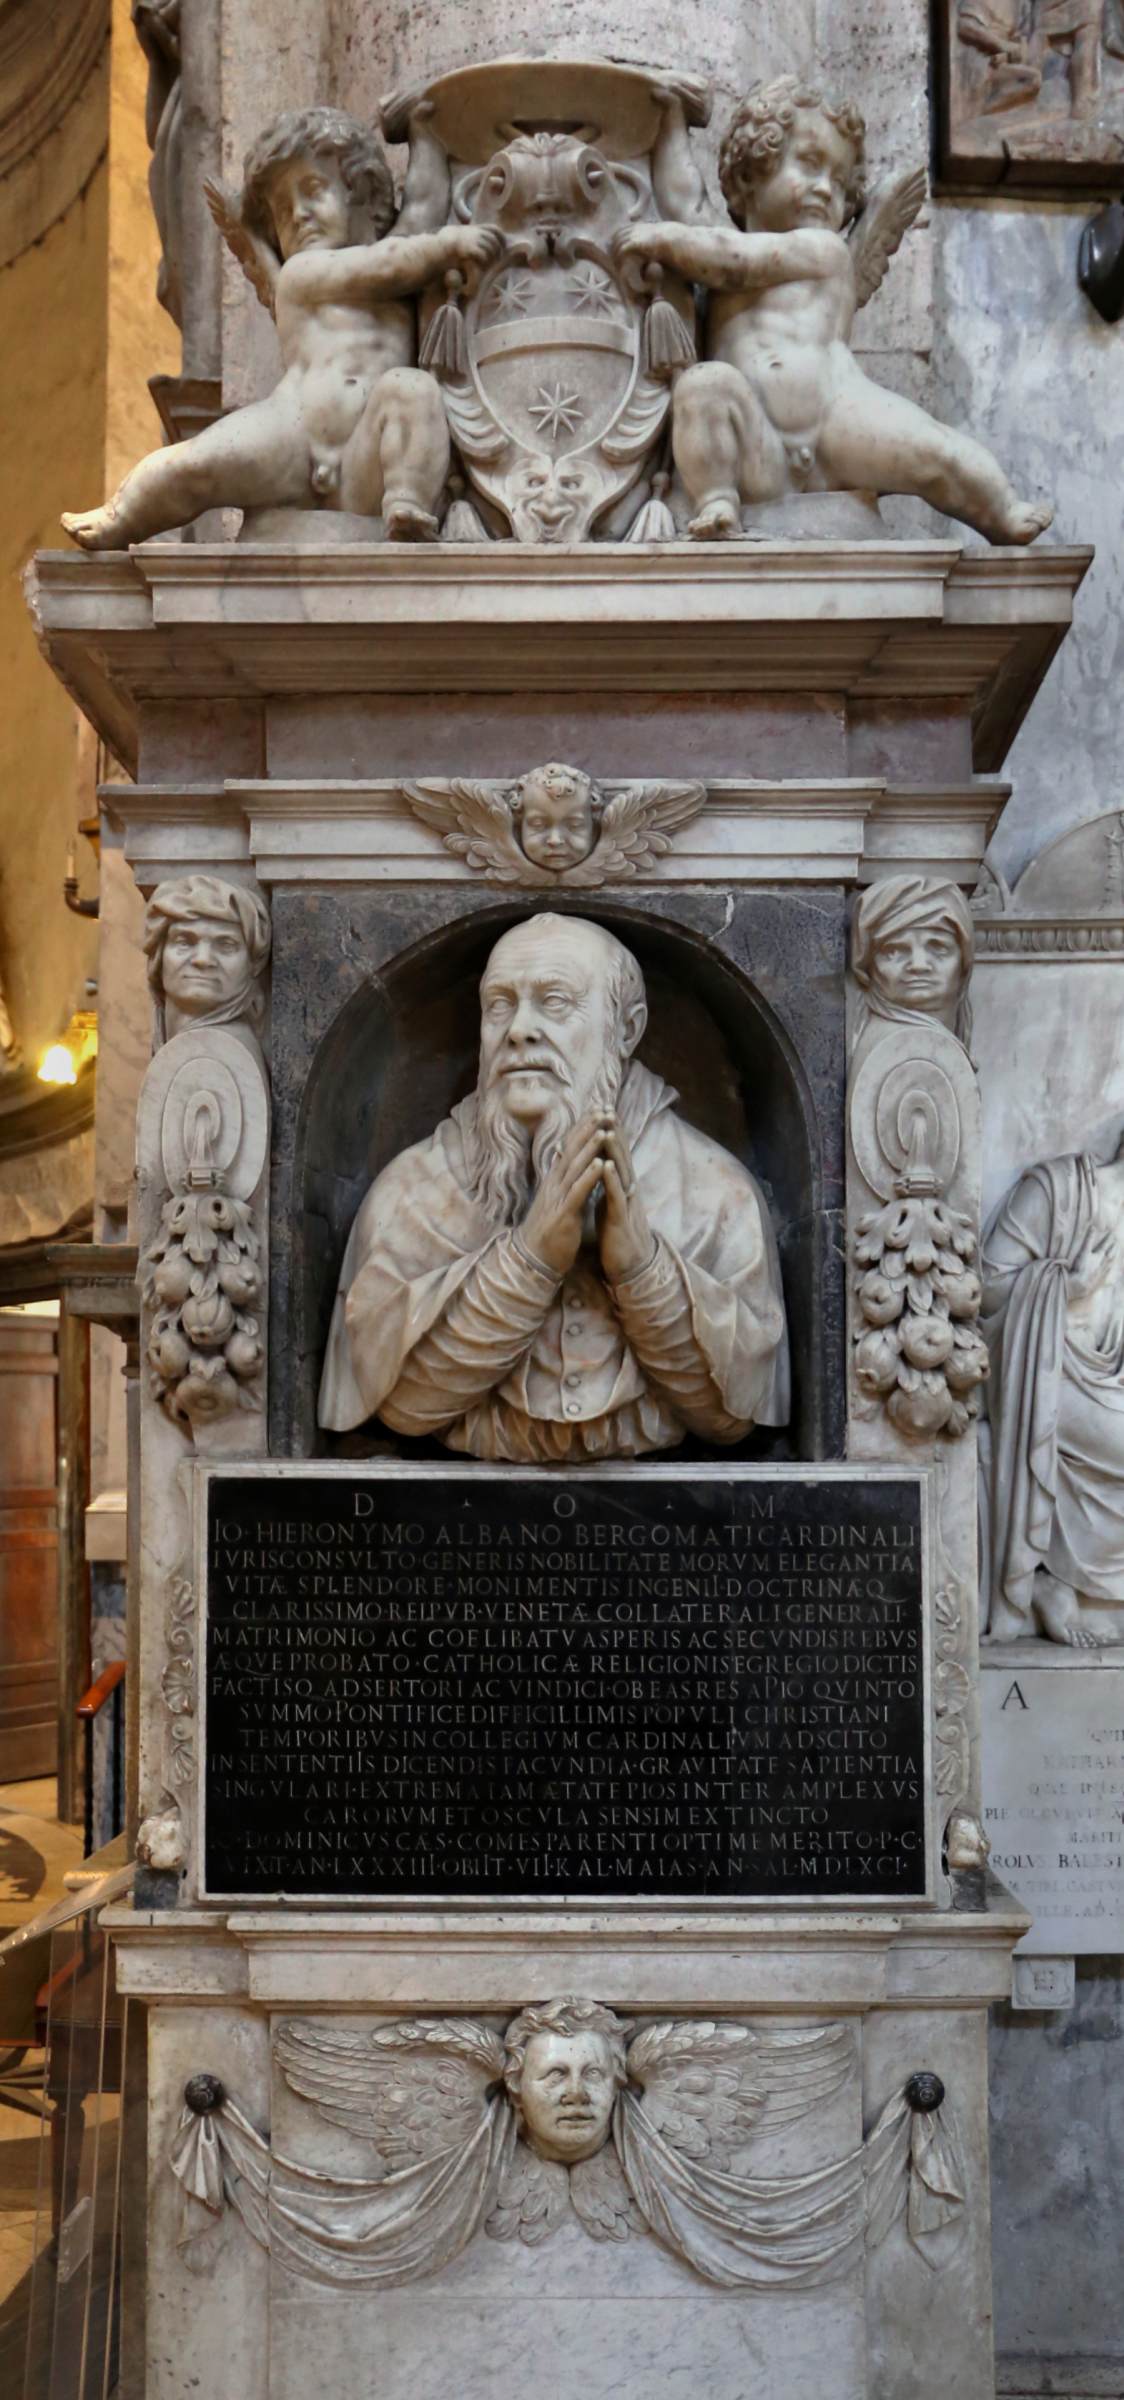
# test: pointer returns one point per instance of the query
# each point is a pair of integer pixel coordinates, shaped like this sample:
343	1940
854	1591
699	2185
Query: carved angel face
566	2094
557	826
205	964
310	204
812	180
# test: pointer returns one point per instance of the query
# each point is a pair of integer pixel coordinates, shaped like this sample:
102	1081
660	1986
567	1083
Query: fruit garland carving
918	1296
201	1279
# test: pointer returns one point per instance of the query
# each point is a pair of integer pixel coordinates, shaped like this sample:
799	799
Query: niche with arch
745	1005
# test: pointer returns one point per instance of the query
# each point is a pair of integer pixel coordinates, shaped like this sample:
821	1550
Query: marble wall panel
1021	357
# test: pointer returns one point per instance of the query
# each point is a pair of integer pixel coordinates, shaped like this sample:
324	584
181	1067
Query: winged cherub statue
555	825
780	403
354	423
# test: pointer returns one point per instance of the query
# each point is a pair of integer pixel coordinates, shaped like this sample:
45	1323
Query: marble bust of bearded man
565	1269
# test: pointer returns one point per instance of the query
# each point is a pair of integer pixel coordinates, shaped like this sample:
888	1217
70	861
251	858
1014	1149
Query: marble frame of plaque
618	1838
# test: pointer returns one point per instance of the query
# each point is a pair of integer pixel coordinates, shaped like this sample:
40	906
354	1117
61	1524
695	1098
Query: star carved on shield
592	293
511	296
557	411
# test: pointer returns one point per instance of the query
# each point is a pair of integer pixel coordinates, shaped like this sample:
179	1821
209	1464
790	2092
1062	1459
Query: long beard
508	1160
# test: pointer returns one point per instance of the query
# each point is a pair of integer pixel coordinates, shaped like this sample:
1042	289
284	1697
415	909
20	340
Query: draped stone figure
1053	1320
564	1269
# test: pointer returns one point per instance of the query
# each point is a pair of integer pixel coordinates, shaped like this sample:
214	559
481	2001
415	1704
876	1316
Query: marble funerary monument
563	1914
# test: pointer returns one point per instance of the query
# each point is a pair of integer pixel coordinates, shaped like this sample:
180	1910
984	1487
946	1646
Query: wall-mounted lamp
91	828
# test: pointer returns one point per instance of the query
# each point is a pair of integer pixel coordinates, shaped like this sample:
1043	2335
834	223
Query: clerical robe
445	1325
1055	1396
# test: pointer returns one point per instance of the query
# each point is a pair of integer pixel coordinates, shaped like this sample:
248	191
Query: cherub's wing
709	2087
882	225
253	255
532	2200
475	822
601	2198
410	2087
636	829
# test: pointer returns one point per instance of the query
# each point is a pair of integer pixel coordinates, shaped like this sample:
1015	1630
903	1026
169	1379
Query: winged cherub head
558	811
793	156
564	2066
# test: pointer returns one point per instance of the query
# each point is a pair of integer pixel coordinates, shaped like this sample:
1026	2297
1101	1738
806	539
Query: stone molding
637	1957
848	830
875	624
1067	906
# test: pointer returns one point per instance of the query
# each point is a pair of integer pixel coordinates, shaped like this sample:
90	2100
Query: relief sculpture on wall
555	825
564	1269
1032	91
634	2128
1053	1487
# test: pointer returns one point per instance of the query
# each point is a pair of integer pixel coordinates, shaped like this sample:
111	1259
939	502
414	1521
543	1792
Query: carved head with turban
912	943
207	945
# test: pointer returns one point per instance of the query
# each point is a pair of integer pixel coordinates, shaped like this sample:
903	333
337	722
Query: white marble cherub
353	423
556	823
781	404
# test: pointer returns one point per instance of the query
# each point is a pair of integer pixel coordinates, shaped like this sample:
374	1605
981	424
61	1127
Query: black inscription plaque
632	1686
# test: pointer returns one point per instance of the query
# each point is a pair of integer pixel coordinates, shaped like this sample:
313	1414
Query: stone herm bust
207	944
564	1269
912	946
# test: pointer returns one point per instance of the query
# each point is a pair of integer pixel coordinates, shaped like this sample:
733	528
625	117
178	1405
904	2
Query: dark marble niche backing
375	1035
622	1683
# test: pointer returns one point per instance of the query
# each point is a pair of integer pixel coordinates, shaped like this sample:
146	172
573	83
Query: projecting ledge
632	1957
890	623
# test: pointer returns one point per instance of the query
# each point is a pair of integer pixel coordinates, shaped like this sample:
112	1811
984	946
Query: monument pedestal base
546	2303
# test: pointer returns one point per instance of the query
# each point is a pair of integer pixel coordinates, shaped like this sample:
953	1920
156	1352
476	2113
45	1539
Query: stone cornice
635	1955
878	624
848	830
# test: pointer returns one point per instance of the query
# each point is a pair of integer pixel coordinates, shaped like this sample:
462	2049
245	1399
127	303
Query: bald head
561	1010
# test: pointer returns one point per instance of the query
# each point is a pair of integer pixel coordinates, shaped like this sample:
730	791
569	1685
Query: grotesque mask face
566	2094
205	965
809	184
543	180
556	821
545	1029
921	968
310	205
553	500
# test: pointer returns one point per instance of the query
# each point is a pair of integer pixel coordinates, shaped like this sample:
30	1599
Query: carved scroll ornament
633	2129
